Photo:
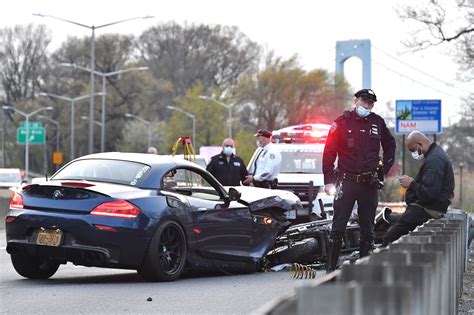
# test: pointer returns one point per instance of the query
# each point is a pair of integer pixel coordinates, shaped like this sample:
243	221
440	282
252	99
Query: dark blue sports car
156	214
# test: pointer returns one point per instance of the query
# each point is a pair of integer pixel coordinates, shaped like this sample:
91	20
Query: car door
223	229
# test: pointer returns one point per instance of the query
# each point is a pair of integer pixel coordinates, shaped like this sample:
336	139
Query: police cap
366	95
263	133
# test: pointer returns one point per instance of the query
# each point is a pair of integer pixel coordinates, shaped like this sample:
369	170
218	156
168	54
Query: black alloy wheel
166	256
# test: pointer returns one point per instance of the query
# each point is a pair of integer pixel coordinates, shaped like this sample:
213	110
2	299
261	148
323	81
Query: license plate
49	237
291	214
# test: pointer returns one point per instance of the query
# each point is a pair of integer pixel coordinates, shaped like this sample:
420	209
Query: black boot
334	247
365	248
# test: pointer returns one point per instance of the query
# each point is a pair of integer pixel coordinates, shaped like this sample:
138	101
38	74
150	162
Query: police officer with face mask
354	140
429	194
226	167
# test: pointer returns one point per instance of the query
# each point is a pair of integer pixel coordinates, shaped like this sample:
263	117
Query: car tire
303	251
166	256
33	267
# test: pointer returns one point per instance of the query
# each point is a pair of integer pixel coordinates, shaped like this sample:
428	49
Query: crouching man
429	194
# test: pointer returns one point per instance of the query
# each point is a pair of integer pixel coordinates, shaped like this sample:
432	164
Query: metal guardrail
421	273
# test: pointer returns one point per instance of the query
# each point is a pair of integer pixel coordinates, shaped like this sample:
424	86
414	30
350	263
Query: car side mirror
234	194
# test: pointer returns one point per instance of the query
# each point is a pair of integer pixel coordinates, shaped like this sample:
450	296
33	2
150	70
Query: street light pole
92	66
72	101
193	117
57	130
129	115
103	75
203	97
27	137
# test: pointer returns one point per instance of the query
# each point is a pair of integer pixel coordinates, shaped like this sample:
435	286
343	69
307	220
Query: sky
307	28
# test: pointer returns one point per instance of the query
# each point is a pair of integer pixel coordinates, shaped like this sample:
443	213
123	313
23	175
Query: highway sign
32	124
37	135
421	115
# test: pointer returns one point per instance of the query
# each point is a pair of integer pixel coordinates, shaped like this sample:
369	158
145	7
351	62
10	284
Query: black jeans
410	219
366	196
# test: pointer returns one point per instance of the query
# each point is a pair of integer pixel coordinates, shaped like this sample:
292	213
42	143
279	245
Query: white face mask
257	143
417	154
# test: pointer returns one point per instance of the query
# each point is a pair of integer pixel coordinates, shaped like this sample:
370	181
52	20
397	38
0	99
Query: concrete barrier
421	273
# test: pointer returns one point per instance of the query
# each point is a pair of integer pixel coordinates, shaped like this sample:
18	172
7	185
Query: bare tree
23	60
216	56
443	22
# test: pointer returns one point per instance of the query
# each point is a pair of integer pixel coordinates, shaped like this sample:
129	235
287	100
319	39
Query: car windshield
111	171
301	161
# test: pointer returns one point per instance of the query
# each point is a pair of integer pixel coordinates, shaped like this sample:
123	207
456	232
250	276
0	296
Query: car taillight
16	201
10	219
117	209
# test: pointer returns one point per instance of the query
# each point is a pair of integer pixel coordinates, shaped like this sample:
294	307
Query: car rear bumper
82	243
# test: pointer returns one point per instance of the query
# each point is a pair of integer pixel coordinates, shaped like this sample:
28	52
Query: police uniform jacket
433	186
227	173
267	163
356	141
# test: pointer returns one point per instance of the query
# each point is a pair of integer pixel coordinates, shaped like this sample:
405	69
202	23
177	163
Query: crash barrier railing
421	273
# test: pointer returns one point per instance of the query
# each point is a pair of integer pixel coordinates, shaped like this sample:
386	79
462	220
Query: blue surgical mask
362	112
228	151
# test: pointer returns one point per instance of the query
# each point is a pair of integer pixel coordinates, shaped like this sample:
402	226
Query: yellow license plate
49	237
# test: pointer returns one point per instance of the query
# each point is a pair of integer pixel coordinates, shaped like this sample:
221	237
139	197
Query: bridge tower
359	48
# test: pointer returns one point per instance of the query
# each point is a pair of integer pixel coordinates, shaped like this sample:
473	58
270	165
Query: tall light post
72	103
92	67
103	75
203	97
57	133
193	117
27	137
129	115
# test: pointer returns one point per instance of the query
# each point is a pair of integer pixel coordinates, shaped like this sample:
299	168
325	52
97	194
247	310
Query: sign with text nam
421	115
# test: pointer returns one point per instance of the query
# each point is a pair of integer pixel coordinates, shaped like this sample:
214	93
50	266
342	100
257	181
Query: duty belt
358	178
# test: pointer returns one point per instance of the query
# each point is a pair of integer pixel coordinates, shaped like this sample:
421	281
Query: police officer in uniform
266	166
226	167
355	139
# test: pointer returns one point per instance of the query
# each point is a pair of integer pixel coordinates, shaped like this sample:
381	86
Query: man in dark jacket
429	194
226	167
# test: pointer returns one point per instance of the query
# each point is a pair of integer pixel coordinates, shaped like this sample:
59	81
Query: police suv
301	149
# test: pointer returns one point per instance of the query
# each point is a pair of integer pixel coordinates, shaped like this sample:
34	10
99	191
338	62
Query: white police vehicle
301	149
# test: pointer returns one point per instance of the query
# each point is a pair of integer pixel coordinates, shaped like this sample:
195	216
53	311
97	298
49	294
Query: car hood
262	198
318	179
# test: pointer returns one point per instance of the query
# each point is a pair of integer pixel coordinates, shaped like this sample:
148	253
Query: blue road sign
421	115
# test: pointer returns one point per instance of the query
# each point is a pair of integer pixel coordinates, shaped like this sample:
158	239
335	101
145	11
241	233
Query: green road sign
37	135
32	124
